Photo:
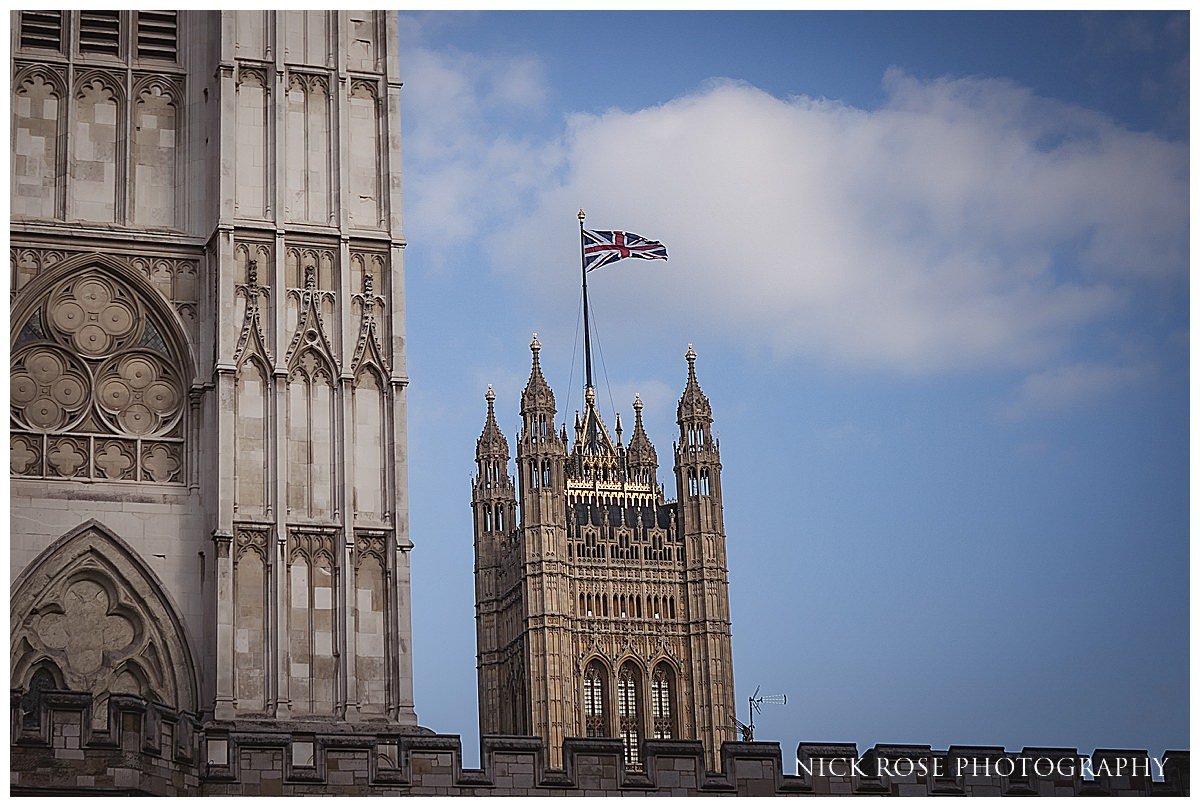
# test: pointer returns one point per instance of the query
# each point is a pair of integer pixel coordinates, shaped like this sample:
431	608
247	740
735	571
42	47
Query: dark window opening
31	701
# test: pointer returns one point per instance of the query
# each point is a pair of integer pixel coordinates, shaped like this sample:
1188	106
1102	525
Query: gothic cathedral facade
207	451
602	608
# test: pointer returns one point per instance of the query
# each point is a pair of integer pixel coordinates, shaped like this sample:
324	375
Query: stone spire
537	395
693	405
642	458
491	443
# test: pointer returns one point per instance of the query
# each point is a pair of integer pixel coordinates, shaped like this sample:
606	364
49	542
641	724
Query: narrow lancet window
662	702
594	706
629	709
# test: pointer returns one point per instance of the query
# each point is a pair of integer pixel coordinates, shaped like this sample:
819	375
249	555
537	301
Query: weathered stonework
154	750
602	607
207	445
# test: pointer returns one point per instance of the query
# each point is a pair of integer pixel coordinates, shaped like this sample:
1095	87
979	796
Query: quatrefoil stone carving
94	320
134	392
47	390
85	629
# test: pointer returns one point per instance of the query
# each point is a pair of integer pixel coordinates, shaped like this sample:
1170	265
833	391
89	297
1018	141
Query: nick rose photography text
1024	767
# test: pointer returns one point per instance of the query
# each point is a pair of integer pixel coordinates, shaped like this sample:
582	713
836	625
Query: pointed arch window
662	702
311	401
98	108
31	701
629	710
39	98
95	623
595	707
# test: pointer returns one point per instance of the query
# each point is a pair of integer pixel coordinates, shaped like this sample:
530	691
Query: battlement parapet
141	747
148	748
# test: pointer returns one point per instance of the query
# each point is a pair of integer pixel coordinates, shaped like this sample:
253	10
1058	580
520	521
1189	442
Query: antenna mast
755	707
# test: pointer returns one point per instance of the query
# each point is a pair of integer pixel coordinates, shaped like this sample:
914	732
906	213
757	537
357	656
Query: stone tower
602	607
208	457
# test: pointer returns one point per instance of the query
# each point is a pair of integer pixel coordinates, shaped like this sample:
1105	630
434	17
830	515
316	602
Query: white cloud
1060	387
469	172
966	223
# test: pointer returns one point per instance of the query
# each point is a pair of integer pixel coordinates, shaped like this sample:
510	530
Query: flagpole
587	339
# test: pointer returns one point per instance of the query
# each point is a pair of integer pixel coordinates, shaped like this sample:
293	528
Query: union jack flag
605	246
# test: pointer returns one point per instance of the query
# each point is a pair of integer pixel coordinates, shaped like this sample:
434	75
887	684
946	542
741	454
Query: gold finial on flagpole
581	215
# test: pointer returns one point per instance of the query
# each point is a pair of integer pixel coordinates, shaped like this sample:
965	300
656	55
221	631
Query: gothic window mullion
595	714
662	697
629	712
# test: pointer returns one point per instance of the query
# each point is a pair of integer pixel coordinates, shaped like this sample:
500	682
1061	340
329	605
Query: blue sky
935	266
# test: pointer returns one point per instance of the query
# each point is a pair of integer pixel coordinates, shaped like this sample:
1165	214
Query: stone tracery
92	378
89	607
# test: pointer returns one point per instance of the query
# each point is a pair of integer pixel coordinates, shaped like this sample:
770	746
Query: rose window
97	385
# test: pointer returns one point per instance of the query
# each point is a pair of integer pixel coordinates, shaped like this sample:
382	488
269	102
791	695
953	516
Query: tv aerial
756	702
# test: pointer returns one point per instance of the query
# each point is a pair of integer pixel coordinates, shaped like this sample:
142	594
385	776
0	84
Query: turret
494	505
702	527
697	454
537	404
545	645
494	497
540	451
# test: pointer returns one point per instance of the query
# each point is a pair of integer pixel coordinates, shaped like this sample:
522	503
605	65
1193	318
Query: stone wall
150	749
